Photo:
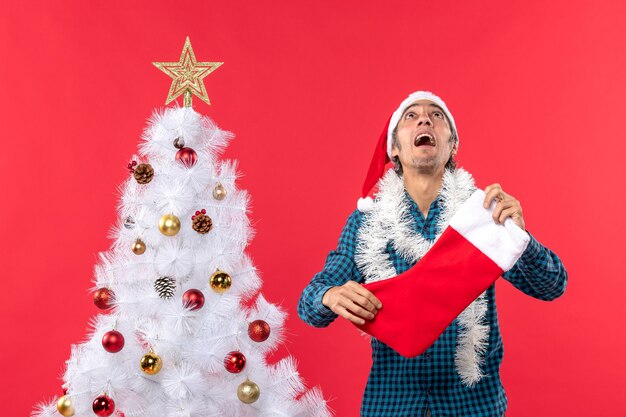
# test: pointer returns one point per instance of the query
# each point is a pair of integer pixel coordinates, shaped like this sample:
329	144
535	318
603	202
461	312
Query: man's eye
410	115
438	114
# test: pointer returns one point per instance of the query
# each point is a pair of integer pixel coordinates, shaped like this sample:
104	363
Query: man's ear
455	149
394	151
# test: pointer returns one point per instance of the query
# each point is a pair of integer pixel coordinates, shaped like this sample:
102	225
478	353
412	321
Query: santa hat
382	153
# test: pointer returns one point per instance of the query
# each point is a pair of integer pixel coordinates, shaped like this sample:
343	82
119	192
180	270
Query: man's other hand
352	301
506	206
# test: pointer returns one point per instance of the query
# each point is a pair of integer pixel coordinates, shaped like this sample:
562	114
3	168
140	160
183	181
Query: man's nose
423	119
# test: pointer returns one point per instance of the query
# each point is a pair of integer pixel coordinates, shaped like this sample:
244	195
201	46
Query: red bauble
193	299
234	362
187	157
259	330
113	341
103	406
103	298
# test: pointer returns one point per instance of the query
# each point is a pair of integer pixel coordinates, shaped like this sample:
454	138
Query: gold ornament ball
151	363
219	192
248	392
169	225
64	406
139	248
220	281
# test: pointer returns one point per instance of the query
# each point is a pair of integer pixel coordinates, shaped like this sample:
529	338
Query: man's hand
507	206
352	301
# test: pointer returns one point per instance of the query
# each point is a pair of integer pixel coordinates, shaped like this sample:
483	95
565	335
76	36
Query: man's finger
509	212
360	289
490	195
359	311
492	186
502	205
343	312
363	301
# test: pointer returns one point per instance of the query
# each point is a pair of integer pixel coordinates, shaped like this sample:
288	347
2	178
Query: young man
414	200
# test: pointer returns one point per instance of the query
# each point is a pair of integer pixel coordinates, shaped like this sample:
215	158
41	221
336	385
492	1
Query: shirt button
429	391
428	356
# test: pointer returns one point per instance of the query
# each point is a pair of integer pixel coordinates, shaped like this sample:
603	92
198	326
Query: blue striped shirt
399	386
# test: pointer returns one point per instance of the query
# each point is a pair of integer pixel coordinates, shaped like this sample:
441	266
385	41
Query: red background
536	89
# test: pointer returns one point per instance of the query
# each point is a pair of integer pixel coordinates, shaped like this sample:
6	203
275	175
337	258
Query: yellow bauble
220	281
169	225
219	192
151	363
64	406
139	247
248	392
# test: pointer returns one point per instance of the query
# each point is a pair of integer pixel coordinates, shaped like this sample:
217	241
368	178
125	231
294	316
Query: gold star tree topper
187	75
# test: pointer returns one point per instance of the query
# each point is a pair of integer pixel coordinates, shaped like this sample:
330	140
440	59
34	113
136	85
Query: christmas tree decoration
234	362
103	298
220	281
259	331
113	341
187	75
64	406
129	223
169	225
103	406
139	248
219	192
193	299
248	392
179	143
165	287
131	166
151	363
143	173
187	156
201	222
160	295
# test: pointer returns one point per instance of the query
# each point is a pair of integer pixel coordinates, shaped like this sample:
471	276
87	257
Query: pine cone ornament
143	173
165	287
201	222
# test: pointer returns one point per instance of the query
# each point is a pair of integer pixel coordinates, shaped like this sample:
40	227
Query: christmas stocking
471	253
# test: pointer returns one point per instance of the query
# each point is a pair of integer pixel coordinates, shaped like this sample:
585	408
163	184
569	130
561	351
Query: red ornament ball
103	406
113	341
259	330
187	156
193	299
234	362
103	298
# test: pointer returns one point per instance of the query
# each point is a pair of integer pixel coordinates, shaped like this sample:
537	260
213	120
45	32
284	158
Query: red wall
536	89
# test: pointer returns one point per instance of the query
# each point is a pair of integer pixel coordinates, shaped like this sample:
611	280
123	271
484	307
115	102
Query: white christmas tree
175	339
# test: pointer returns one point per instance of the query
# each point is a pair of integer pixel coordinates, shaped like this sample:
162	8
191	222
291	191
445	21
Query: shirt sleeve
339	268
538	272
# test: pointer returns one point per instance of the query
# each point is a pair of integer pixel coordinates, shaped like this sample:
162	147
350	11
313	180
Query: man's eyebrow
419	104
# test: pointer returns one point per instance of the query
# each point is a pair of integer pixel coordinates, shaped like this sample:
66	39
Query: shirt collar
413	205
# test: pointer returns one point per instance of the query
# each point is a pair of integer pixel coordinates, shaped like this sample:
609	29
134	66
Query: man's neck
423	188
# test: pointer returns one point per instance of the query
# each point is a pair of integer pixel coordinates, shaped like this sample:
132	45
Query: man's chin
423	166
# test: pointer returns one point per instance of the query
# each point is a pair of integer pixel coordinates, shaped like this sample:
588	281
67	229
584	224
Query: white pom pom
365	204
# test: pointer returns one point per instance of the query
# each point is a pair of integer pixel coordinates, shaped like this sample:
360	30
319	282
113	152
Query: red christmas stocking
471	253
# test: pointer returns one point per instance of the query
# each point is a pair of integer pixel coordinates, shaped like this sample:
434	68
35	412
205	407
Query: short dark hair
397	166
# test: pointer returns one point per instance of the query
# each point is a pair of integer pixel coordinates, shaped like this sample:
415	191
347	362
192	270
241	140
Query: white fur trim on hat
418	95
365	204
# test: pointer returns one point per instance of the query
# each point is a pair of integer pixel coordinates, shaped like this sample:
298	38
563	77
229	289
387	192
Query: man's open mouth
424	139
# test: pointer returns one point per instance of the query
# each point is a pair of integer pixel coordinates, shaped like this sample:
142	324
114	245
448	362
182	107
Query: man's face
423	138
